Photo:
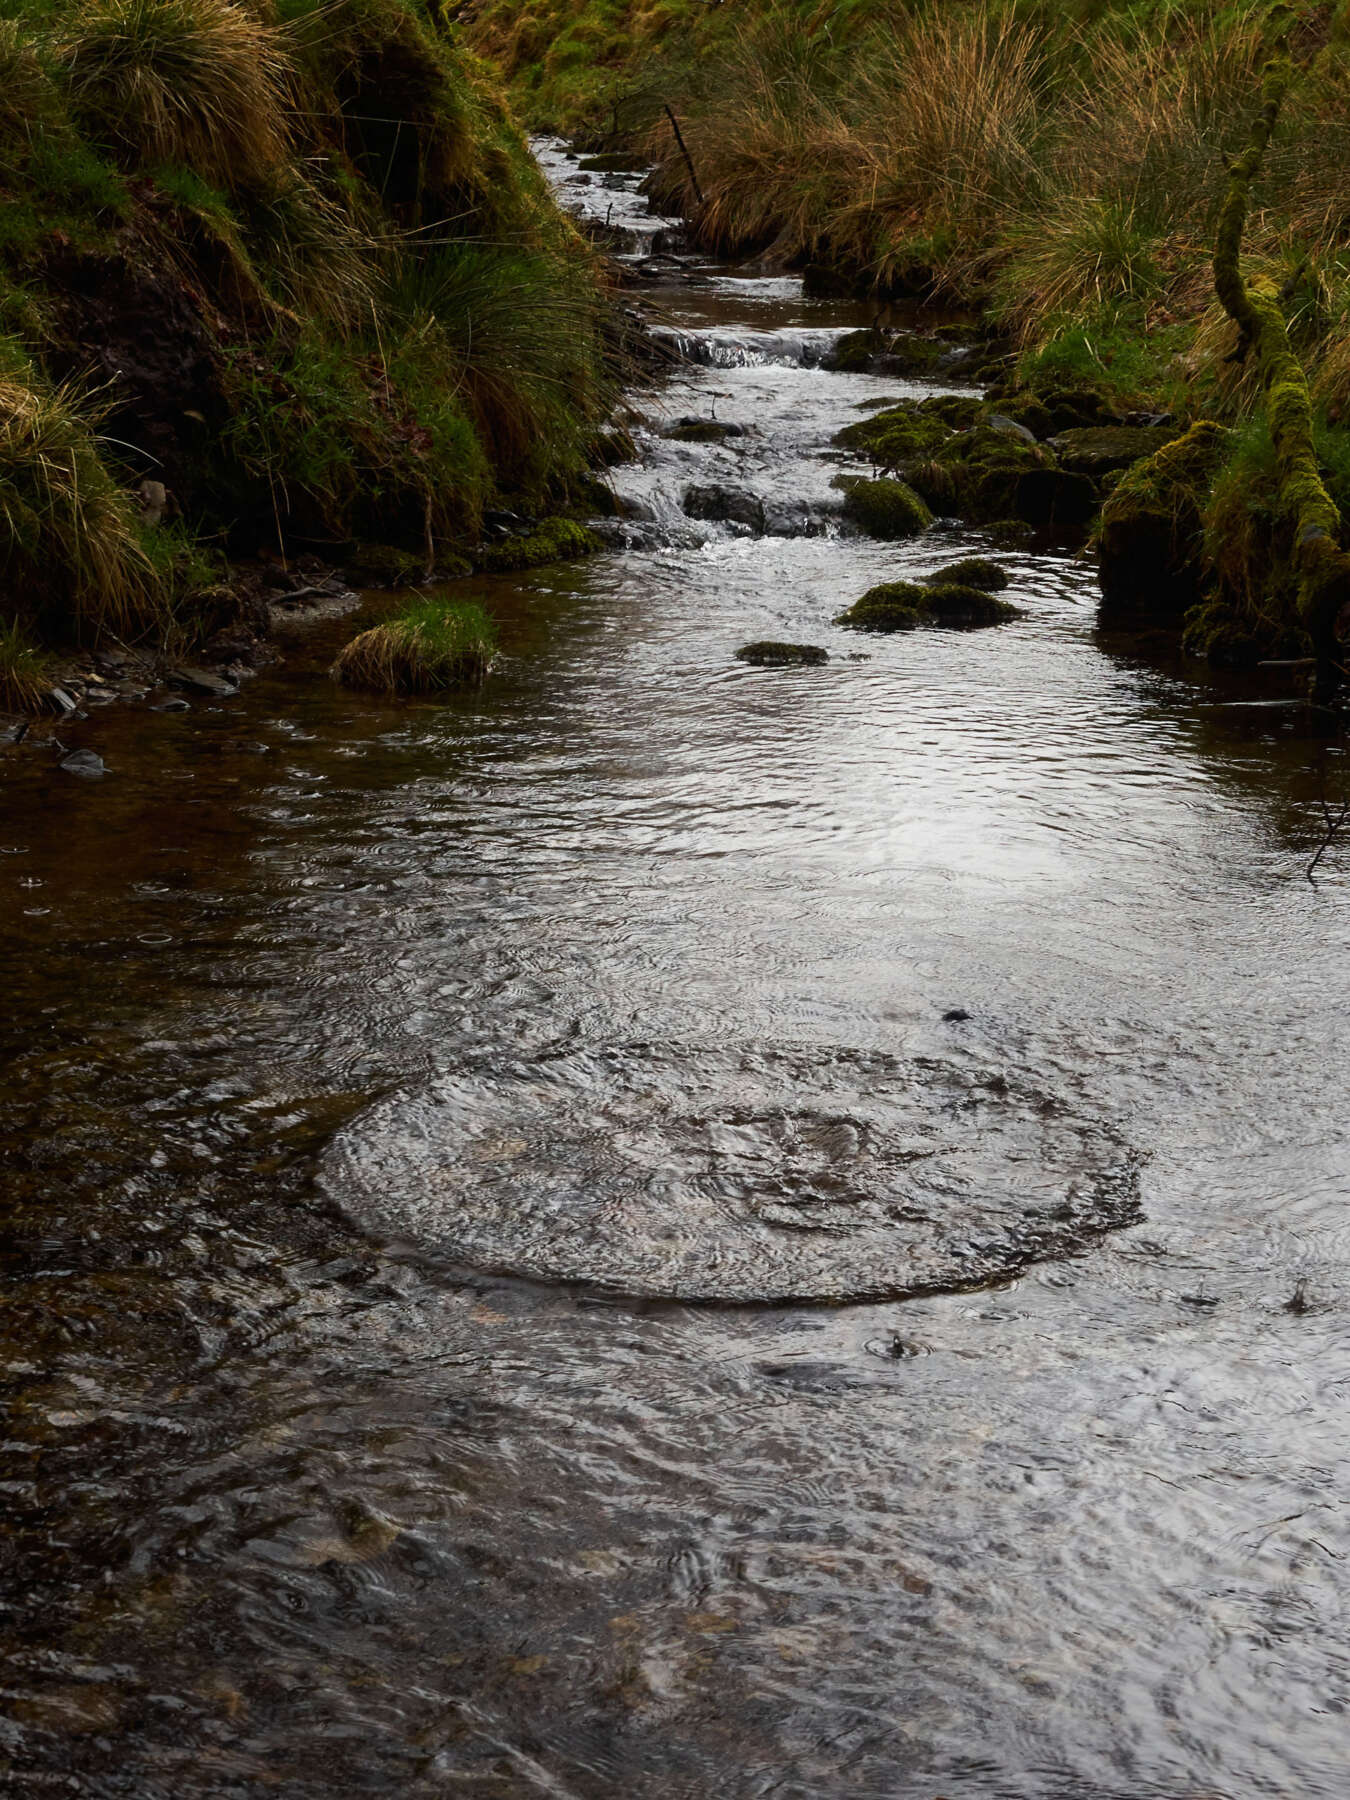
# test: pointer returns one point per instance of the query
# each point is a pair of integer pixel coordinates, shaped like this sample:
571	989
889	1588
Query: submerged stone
767	654
737	1173
724	506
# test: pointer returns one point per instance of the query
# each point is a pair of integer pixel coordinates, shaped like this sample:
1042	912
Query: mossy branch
1321	566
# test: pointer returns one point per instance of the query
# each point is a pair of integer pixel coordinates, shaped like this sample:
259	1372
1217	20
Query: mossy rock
766	654
852	354
1031	413
960	606
1069	409
1010	534
1150	542
1103	449
986	470
894	437
971	571
704	431
960	411
1217	633
907	606
886	509
884	353
552	540
1056	499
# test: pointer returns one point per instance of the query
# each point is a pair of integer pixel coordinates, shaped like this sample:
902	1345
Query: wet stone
87	763
716	1173
204	681
724	506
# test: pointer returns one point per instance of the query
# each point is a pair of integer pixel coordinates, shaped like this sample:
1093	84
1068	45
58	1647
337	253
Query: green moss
886	509
553	540
767	654
960	411
908	606
971	571
1150	536
896	436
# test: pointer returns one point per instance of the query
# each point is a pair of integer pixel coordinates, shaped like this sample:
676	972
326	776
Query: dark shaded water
291	1511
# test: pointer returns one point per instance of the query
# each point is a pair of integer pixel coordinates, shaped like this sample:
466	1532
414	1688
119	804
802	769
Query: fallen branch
684	152
1322	568
1333	825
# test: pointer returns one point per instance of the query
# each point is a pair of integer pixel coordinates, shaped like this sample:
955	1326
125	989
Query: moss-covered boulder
704	431
910	606
1150	543
552	540
765	653
1103	449
886	509
960	411
971	571
898	435
885	353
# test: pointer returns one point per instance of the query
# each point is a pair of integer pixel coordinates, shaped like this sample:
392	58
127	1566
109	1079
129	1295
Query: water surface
303	1506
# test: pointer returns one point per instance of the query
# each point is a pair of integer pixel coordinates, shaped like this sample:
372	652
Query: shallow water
292	1507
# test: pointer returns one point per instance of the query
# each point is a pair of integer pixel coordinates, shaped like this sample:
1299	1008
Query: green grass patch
428	647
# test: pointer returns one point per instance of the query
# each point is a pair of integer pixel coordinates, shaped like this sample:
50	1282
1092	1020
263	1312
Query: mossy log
1321	566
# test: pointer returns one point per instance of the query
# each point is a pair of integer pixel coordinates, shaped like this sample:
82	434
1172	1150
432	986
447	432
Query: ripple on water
735	1174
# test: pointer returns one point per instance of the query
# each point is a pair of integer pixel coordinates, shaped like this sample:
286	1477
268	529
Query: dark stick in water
684	151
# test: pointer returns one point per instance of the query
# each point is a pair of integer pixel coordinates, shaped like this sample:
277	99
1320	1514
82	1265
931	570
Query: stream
663	1227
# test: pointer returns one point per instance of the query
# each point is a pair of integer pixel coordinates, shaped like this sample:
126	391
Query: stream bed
664	1227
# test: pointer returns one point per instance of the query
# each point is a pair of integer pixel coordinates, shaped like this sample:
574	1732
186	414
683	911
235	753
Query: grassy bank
1059	166
272	277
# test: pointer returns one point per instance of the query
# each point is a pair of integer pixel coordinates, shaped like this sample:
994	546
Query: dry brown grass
68	539
23	671
932	133
201	82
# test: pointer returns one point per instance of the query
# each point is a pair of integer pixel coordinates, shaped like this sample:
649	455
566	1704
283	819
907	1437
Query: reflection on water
289	1511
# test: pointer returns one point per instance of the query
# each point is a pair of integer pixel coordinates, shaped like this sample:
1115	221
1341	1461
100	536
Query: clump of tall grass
23	670
429	646
28	100
520	332
931	127
321	258
1091	253
202	82
68	533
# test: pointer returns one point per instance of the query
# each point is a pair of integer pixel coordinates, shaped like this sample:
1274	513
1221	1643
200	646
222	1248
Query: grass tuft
202	82
430	646
23	671
68	534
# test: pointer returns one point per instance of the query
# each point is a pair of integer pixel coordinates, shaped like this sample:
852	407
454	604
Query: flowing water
671	1228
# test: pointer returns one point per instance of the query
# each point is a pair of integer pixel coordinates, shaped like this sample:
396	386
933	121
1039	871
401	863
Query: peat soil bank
425	1124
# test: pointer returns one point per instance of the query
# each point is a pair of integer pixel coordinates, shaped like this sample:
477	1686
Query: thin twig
1333	825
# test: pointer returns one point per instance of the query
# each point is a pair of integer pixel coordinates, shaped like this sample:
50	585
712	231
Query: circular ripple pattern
738	1175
